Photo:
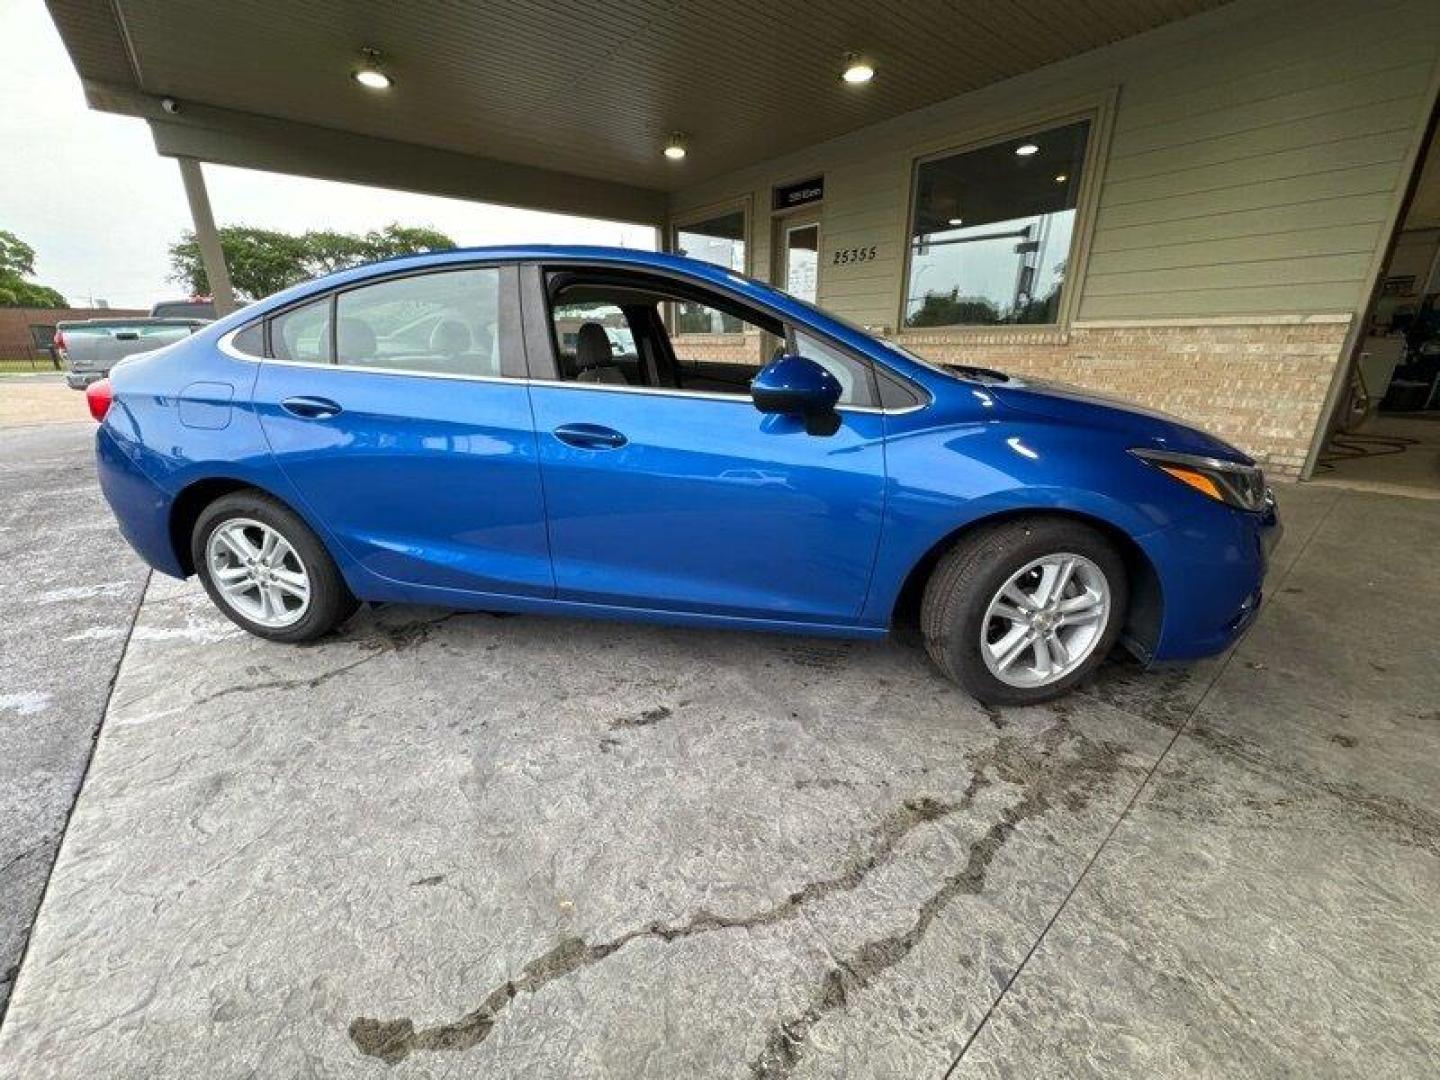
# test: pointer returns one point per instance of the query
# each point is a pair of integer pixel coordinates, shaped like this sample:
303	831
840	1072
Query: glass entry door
798	269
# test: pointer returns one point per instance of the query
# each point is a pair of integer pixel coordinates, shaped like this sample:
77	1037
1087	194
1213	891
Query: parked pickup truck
89	348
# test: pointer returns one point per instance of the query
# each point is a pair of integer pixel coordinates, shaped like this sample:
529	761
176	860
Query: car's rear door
398	411
691	500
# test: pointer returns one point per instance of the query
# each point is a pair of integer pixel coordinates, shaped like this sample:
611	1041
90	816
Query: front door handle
310	408
590	436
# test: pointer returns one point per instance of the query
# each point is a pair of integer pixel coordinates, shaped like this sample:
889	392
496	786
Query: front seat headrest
355	340
450	337
592	347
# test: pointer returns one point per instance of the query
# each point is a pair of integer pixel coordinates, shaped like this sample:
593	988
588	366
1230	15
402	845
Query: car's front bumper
1212	573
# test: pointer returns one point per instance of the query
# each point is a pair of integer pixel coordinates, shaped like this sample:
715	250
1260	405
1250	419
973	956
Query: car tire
972	620
259	588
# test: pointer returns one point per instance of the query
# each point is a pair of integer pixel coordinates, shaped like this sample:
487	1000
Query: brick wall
15	323
742	348
1257	383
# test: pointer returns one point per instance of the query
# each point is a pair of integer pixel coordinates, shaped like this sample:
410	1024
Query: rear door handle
590	436
310	408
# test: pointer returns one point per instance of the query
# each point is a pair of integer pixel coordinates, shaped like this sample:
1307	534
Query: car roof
614	256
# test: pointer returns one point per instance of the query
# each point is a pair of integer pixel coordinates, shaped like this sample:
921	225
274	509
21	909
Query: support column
207	236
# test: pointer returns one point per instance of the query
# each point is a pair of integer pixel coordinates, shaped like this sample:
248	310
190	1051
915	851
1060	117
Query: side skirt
377	590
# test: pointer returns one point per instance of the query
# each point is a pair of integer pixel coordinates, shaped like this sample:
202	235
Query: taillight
99	395
59	343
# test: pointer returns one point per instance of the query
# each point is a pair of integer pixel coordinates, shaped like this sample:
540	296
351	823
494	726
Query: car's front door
684	497
396	410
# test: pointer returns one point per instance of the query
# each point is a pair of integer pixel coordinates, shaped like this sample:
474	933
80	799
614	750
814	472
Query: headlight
1240	486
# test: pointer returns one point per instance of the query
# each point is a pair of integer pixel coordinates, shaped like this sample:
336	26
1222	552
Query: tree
951	309
263	261
396	239
17	262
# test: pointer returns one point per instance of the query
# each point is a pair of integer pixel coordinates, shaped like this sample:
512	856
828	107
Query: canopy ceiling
589	88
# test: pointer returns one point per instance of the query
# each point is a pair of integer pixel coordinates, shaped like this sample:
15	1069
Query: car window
856	382
651	332
612	329
302	335
251	340
444	323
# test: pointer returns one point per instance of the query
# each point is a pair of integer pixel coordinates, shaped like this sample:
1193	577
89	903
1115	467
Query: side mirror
796	386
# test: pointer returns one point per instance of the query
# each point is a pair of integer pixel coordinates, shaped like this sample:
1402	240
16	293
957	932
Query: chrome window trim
707	395
226	345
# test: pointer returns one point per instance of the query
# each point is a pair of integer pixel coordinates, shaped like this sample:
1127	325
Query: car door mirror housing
795	386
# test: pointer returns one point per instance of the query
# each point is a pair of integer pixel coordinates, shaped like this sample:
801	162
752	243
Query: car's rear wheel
267	571
1022	611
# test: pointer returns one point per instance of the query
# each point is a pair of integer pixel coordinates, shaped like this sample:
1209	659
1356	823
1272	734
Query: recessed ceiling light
857	69
1060	178
956	221
1026	149
675	148
370	74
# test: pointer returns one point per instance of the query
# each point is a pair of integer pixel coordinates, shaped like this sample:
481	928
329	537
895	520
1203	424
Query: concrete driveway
453	845
69	591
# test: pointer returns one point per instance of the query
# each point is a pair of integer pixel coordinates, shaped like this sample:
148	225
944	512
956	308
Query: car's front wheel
266	570
1021	611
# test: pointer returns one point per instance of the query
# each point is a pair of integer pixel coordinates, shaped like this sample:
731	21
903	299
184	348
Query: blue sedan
631	435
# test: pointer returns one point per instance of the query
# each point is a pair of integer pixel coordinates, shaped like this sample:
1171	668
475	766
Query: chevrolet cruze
631	435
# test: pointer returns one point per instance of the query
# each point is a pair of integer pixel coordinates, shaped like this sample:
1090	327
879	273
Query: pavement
69	592
40	398
450	845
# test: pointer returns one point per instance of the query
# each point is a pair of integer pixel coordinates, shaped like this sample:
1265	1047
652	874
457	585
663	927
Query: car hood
1147	427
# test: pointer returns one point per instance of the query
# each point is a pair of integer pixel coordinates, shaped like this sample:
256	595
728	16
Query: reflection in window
991	231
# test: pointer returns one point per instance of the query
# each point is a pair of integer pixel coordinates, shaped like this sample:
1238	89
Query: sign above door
800	193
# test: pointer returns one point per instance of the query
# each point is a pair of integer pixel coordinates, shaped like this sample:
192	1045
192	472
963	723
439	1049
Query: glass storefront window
719	240
991	231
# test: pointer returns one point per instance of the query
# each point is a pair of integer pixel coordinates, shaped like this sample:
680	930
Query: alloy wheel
258	573
1045	620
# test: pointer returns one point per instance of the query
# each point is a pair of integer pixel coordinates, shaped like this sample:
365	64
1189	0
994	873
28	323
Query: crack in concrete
394	1040
1048	781
1046	784
645	719
381	641
303	682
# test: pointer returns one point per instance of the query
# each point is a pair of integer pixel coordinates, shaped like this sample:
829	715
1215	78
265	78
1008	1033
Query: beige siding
1255	157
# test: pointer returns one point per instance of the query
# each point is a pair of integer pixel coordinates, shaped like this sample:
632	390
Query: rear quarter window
251	340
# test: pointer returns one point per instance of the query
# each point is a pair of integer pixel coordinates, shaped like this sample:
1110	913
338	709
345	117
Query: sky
89	193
